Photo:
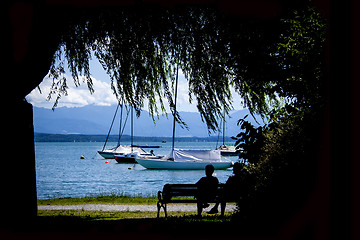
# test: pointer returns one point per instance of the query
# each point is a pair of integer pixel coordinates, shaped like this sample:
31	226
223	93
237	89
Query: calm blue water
61	173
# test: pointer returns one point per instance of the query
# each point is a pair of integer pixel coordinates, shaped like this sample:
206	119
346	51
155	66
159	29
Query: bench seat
171	191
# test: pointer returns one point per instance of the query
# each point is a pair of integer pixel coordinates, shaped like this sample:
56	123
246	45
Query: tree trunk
18	181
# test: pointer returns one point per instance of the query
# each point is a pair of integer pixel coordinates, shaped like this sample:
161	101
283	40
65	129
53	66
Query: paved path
130	208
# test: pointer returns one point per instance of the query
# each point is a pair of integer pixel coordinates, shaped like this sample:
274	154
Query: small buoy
106	161
82	157
129	168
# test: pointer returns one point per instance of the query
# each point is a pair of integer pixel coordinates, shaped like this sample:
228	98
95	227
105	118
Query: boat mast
132	128
224	127
121	114
174	113
112	122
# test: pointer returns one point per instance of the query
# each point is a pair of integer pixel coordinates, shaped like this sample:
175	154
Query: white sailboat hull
178	165
107	154
121	150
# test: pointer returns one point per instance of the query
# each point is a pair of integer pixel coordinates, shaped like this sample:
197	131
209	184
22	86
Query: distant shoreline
48	137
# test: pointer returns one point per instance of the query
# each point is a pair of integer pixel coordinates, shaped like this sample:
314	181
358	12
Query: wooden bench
171	191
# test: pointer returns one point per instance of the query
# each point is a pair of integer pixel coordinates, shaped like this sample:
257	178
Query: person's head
209	170
237	168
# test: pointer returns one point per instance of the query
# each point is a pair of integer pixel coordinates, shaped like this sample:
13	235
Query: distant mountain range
96	120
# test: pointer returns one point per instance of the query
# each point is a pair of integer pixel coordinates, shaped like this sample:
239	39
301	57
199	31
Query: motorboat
180	159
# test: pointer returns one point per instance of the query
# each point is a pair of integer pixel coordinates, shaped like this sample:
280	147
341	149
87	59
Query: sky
103	96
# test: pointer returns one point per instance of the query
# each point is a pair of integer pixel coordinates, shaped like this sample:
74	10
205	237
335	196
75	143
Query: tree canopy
141	48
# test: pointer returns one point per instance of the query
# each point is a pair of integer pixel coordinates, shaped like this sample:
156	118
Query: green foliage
249	141
281	169
142	47
281	154
301	50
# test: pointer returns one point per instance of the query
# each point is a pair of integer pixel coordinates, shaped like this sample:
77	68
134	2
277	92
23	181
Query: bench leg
199	208
223	206
159	206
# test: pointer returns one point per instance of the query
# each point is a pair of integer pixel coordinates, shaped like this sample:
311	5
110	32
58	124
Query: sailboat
224	149
135	150
181	159
123	153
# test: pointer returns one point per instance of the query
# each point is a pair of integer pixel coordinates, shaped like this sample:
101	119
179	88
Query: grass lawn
83	220
105	199
102	215
116	215
135	223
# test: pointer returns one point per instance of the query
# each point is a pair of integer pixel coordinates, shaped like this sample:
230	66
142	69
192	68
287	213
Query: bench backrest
184	190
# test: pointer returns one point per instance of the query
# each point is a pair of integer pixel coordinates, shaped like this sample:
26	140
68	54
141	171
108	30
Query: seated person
232	189
207	187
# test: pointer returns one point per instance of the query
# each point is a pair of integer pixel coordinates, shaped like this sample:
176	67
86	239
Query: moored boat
124	153
119	150
225	150
228	150
179	159
107	154
132	155
126	158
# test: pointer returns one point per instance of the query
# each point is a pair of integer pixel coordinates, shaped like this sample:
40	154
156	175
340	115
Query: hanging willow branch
140	47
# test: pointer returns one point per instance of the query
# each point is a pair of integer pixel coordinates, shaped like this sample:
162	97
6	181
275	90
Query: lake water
61	173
